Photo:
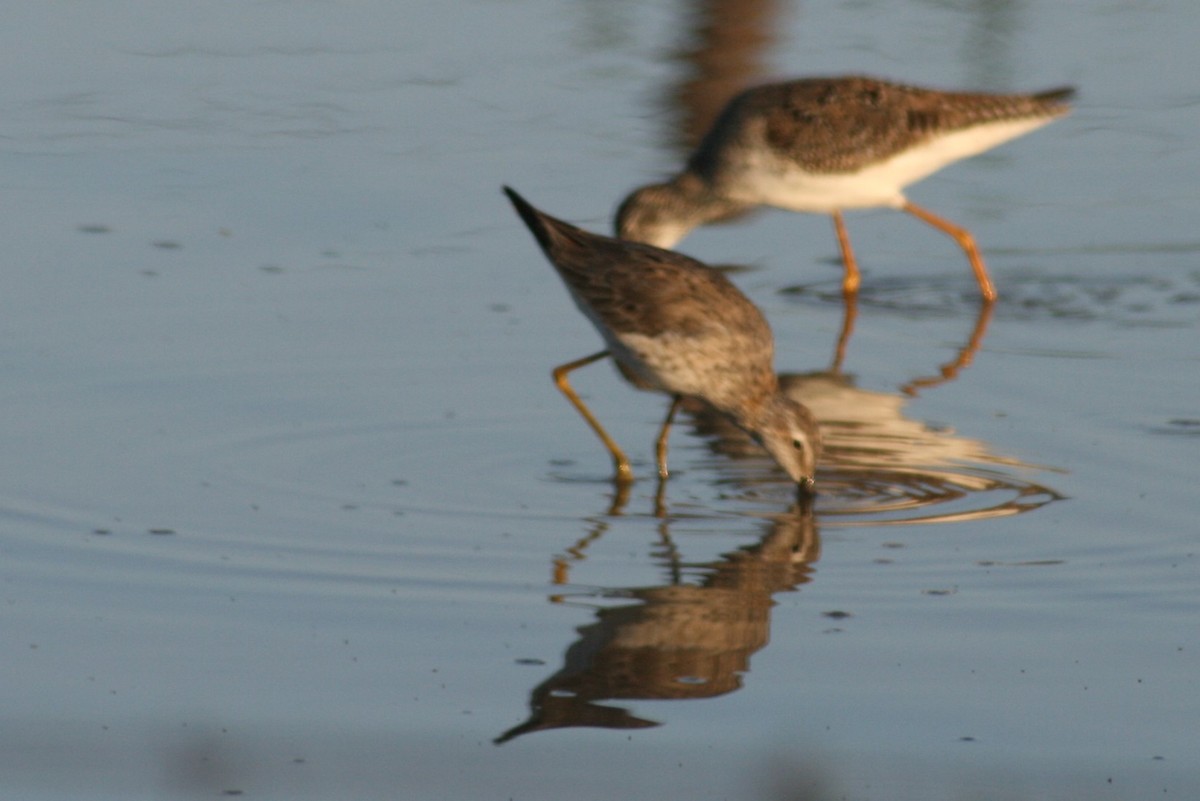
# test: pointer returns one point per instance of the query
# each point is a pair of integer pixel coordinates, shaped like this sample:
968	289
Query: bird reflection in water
694	639
680	640
691	640
882	467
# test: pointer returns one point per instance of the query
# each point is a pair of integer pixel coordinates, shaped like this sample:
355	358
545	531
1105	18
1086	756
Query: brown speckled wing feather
832	125
640	289
658	293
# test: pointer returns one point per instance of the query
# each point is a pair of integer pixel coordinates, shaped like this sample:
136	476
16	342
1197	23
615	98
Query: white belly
762	177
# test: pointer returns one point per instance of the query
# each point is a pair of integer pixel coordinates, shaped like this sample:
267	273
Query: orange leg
624	472
852	278
660	450
965	241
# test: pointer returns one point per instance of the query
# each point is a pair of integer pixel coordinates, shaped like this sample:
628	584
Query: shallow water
291	508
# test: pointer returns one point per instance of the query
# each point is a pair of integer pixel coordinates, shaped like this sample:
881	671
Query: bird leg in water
660	450
624	473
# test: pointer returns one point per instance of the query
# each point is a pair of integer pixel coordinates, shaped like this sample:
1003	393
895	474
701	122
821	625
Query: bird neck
754	410
696	200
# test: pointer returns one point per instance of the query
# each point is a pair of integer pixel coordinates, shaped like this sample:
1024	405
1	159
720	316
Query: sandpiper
830	144
677	326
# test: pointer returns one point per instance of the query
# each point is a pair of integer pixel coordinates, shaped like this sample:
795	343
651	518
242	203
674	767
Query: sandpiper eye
798	444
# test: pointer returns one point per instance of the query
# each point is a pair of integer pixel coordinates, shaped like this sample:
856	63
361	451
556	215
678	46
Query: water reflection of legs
849	314
689	637
949	371
561	565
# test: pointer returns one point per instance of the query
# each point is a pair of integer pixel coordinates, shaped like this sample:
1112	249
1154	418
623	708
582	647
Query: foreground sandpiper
677	326
830	144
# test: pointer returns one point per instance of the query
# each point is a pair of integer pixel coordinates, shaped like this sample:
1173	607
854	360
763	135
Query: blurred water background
290	508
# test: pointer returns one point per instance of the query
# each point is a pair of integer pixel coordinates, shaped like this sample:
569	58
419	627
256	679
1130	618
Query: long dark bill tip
806	490
806	496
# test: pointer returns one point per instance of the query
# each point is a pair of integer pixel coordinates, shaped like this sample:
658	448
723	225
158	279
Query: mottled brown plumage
838	125
676	326
831	144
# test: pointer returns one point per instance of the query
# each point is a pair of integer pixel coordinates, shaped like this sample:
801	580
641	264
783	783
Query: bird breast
722	370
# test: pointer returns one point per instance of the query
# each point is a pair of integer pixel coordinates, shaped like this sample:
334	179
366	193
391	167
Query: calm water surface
290	508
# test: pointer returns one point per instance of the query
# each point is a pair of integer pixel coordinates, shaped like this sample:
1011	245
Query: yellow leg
660	450
624	473
852	278
965	241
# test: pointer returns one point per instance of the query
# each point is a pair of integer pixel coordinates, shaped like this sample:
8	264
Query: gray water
291	509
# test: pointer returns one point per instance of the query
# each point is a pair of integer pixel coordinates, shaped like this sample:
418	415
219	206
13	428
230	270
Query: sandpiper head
789	432
654	215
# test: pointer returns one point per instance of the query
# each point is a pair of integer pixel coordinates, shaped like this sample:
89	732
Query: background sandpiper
830	144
